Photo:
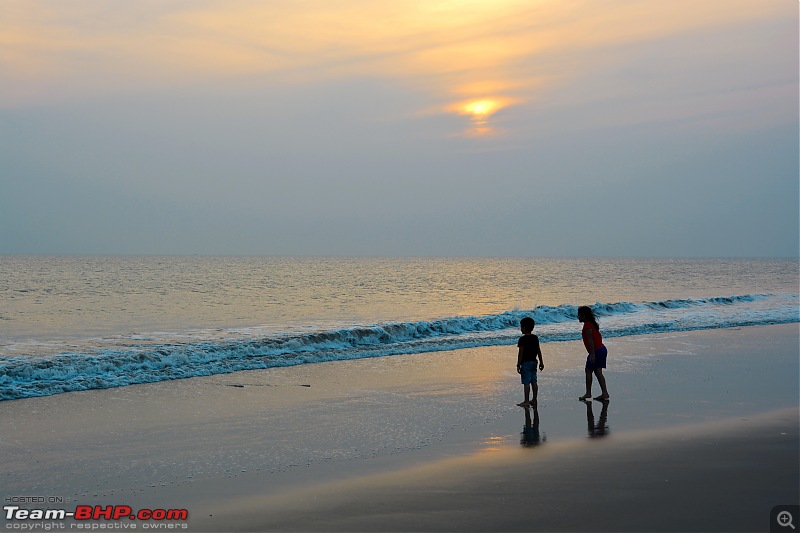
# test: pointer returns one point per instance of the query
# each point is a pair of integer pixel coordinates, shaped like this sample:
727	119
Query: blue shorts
528	373
600	355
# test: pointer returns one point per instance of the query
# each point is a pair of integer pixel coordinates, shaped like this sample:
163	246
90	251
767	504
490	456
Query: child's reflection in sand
530	435
600	428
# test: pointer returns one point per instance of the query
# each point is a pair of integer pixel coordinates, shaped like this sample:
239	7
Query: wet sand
723	476
697	436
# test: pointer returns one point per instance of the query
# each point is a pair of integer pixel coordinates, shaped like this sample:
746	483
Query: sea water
74	323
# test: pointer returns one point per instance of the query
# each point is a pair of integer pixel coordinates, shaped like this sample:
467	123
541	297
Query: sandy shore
701	434
723	476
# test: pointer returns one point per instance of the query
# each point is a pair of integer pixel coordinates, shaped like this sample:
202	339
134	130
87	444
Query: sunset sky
367	127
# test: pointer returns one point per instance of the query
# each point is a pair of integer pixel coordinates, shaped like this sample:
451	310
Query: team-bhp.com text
90	517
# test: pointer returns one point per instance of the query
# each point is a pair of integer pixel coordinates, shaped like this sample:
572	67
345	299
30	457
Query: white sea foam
22	377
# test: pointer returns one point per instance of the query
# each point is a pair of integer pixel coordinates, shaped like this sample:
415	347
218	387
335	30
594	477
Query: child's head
585	314
526	324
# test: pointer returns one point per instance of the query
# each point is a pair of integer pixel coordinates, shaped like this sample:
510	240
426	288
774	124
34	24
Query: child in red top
596	353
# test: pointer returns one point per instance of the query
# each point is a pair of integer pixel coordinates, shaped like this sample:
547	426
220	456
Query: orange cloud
457	51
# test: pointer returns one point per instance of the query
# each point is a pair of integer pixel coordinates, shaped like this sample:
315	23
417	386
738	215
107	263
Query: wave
24	377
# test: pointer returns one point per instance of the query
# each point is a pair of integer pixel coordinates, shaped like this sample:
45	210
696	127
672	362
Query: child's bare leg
601	379
588	386
534	396
527	401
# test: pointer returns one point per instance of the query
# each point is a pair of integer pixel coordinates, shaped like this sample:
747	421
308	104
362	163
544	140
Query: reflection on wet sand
530	435
600	428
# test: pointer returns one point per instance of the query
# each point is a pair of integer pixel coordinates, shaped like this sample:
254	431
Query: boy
529	350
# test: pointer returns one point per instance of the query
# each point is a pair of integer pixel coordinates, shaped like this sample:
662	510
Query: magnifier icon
785	519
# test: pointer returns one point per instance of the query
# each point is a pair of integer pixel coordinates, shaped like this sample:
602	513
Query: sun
480	111
481	108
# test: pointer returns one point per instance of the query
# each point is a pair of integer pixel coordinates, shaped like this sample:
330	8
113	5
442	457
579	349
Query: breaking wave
29	376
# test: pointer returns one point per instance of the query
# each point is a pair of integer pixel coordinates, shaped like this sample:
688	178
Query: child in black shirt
529	350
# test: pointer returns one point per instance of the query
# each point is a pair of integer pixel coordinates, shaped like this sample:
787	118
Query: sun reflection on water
493	443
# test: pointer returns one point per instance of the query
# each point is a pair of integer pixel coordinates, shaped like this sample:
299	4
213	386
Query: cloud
468	49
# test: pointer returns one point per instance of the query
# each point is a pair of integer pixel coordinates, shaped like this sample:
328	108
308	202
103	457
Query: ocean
72	323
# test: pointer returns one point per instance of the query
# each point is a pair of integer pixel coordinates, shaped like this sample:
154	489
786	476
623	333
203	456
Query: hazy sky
426	127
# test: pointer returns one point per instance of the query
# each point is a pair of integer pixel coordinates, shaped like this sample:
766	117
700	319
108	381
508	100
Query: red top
596	337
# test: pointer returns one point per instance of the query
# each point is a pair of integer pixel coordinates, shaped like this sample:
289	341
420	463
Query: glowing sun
479	112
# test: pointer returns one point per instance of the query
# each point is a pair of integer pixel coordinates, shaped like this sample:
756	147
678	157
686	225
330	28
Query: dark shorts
528	373
599	359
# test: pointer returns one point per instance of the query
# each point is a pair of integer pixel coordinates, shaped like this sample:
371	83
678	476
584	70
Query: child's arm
588	342
519	361
541	359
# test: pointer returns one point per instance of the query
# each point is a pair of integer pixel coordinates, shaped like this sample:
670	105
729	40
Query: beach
265	266
701	433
